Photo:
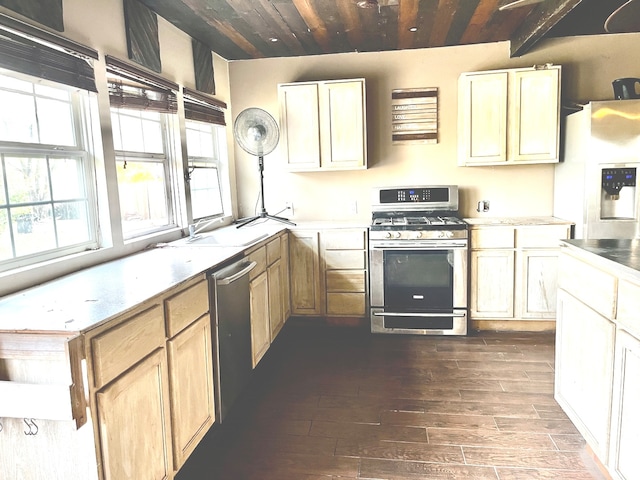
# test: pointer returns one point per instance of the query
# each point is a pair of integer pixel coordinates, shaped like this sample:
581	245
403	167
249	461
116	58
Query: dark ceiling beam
538	23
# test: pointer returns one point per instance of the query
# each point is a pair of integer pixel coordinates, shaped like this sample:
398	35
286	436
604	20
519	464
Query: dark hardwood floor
338	403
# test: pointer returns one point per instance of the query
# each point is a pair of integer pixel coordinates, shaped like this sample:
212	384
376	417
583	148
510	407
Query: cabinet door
624	462
537	287
306	296
584	369
133	422
191	382
276	316
300	125
534	115
342	125
482	117
492	283
260	329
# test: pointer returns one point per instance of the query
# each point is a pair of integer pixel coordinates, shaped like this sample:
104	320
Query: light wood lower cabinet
624	461
598	357
191	380
513	274
584	369
306	286
329	272
268	285
151	384
133	422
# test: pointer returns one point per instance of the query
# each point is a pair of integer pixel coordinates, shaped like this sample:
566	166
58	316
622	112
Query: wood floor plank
439	420
405	470
542	474
543	425
490	438
361	431
482	408
531	458
422	452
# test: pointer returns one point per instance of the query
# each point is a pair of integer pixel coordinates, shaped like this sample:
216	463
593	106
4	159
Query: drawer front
273	250
119	348
186	307
346	303
344	240
345	281
344	259
588	284
493	237
547	236
629	306
260	257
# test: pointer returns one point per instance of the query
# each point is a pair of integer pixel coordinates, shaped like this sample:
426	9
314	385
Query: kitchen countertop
82	300
516	221
625	253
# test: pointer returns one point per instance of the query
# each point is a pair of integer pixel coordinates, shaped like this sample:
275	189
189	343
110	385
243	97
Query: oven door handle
420	245
423	314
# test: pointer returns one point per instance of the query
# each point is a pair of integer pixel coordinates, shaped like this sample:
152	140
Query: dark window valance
203	108
133	88
20	54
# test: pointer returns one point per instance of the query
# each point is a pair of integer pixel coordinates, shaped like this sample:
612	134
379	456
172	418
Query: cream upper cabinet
508	117
323	125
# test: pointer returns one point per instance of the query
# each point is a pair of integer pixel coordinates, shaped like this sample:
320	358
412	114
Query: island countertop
623	252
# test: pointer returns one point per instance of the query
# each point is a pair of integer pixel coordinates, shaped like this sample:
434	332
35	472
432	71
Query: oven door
419	287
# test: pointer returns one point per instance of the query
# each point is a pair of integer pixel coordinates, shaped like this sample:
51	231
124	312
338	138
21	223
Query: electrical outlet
289	206
354	207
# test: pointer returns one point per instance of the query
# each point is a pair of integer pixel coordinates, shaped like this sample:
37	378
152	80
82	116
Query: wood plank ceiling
248	29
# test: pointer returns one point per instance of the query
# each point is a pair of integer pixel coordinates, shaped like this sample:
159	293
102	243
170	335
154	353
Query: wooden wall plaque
414	115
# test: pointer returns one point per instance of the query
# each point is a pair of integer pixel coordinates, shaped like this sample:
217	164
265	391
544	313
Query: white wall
589	66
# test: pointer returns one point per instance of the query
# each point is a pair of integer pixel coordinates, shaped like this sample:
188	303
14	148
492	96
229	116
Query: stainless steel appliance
231	331
418	258
595	184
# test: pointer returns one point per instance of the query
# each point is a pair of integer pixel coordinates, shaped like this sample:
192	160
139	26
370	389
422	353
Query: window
144	171
143	118
205	169
46	194
208	173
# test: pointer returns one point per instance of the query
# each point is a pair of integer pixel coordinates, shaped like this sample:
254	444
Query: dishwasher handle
236	275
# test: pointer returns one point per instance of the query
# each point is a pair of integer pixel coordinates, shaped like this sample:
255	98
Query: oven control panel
413	195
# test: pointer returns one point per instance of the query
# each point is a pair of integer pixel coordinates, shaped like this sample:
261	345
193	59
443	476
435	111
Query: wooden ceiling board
244	29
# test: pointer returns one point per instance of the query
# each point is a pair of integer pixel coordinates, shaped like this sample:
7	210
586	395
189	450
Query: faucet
195	228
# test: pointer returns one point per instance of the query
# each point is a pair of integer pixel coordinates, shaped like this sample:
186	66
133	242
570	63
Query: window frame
83	150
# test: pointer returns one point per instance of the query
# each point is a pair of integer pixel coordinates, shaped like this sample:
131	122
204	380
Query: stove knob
387	235
396	234
417	234
448	234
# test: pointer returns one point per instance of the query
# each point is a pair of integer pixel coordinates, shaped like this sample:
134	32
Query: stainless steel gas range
418	258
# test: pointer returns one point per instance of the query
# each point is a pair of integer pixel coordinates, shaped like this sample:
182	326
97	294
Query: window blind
203	108
21	54
133	88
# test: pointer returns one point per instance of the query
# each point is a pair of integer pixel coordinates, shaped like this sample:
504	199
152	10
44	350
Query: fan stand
263	211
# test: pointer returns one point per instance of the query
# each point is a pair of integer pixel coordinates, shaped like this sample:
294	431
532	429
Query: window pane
205	193
143	199
46	91
3	196
200	141
5	236
33	229
11	83
27	179
72	222
152	136
18	118
56	122
131	134
67	178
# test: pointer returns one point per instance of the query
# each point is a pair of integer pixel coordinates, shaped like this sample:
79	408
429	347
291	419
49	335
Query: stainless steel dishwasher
231	331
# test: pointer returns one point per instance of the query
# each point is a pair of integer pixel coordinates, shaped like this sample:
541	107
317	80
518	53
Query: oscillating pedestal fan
257	133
